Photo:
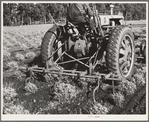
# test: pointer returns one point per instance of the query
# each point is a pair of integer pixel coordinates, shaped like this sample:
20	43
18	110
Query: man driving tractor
82	13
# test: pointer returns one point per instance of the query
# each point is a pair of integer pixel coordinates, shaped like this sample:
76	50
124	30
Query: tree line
37	13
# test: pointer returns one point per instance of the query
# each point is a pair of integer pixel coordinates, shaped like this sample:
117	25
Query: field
22	44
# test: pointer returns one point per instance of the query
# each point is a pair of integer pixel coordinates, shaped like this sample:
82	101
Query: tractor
74	50
73	47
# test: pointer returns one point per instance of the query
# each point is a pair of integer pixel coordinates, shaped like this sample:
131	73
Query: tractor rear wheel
47	45
120	54
53	51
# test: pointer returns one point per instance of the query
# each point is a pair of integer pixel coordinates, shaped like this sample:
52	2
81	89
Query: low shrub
66	92
9	96
12	65
19	57
30	87
15	109
118	99
97	108
8	92
19	75
127	87
30	55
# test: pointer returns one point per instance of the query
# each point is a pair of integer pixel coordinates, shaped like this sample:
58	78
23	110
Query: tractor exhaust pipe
111	6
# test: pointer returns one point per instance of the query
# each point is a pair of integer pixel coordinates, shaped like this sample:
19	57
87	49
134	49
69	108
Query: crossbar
77	60
73	60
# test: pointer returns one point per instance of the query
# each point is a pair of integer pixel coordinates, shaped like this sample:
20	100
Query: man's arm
88	10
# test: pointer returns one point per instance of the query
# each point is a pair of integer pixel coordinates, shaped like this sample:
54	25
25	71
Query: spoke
125	70
123	45
127	43
123	65
130	59
129	48
129	63
124	40
121	60
122	51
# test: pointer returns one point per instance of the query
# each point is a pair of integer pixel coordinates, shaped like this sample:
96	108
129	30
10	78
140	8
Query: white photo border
73	117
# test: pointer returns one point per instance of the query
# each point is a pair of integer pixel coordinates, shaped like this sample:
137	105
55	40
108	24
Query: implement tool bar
70	73
76	73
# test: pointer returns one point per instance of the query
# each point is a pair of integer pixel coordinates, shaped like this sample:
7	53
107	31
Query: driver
82	13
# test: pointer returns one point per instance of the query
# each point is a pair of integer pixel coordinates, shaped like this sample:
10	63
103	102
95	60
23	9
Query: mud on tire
120	54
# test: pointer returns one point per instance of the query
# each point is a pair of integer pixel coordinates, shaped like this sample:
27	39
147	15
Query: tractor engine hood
106	19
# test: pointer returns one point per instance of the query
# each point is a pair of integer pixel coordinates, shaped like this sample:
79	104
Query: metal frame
94	64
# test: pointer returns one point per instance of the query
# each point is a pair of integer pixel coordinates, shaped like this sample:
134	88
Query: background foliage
37	13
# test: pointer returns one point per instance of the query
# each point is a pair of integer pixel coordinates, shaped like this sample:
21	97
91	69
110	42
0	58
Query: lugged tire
47	43
113	51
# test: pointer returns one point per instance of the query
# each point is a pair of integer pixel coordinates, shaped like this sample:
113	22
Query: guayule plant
118	99
127	87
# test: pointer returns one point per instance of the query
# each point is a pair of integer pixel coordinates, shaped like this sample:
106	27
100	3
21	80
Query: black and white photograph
78	60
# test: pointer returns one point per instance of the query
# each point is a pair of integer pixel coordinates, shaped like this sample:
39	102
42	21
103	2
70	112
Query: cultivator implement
78	74
78	56
89	63
99	78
